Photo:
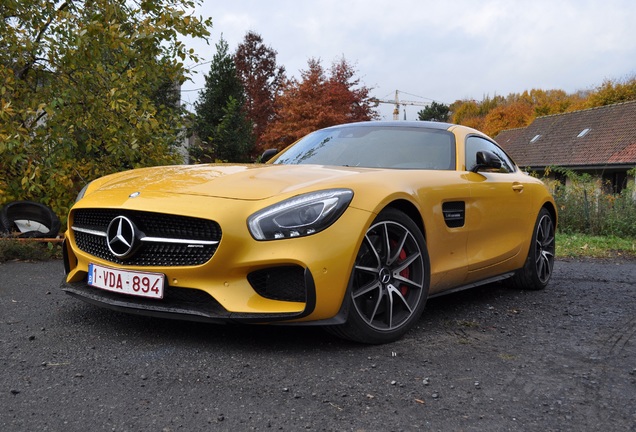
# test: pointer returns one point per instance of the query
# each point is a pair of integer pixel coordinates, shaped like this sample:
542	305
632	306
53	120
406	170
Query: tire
28	219
537	270
389	282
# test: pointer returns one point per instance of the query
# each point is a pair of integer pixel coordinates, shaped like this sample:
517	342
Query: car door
497	213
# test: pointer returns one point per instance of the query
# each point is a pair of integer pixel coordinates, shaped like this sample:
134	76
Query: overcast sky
440	50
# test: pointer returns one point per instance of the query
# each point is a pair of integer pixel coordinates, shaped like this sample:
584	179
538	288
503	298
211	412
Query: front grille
280	283
157	225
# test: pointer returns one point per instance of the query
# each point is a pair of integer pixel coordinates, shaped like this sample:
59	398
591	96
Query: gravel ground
489	359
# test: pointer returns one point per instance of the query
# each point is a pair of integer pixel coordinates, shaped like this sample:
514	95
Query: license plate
130	282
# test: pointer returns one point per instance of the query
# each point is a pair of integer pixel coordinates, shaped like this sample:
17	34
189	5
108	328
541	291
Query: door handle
517	187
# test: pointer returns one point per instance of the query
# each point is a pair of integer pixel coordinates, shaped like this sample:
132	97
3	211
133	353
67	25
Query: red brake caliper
404	273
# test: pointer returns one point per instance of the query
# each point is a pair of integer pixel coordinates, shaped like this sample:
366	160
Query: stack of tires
28	219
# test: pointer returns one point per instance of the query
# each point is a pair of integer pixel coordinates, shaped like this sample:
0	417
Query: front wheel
389	281
537	271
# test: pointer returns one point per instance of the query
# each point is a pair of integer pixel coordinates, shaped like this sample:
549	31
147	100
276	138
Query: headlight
81	193
299	216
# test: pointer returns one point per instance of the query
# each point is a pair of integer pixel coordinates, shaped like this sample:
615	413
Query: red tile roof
559	139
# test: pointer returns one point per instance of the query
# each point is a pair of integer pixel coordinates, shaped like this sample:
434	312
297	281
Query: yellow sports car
352	227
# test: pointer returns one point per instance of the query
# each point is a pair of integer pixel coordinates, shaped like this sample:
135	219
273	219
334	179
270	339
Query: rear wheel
29	219
537	271
389	282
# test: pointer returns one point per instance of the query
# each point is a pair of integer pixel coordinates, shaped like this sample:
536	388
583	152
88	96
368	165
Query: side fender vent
454	213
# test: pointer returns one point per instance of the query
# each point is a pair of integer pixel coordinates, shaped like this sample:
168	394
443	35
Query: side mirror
268	154
486	160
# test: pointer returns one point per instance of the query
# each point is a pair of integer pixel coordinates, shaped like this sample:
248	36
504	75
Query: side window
476	144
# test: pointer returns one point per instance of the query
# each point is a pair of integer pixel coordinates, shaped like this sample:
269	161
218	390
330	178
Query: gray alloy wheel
389	281
537	270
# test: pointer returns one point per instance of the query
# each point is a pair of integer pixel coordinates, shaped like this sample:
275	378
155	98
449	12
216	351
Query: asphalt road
489	359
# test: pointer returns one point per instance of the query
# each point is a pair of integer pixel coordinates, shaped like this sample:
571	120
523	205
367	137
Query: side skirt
473	285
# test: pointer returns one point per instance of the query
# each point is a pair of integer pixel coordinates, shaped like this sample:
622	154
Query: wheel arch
411	211
550	207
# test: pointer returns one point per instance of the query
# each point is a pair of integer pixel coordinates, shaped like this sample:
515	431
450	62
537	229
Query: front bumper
185	304
299	280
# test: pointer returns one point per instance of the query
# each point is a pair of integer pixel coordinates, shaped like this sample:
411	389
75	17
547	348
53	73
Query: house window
615	182
583	133
560	177
535	139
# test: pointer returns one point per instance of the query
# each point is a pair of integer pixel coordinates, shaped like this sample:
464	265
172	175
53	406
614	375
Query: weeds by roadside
588	246
13	249
588	205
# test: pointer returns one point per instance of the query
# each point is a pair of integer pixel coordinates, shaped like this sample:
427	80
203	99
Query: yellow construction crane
397	102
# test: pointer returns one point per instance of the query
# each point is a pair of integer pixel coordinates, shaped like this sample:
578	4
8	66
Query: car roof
398	124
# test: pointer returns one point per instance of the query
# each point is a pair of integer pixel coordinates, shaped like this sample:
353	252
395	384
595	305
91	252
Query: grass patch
589	246
507	357
469	324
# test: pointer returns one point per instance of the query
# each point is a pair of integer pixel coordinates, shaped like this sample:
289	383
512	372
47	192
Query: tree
262	80
317	101
435	112
220	104
348	96
613	91
232	136
85	91
548	102
509	116
466	113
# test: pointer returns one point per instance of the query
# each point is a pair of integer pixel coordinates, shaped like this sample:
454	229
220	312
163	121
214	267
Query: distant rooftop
599	136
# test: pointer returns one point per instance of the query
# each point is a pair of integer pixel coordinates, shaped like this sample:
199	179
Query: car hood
246	182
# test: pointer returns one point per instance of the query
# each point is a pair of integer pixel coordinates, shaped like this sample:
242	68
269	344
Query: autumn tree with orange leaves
262	80
319	100
510	116
492	115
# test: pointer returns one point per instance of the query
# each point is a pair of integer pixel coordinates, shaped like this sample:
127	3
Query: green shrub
585	206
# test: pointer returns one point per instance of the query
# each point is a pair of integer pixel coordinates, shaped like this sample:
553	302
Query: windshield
375	147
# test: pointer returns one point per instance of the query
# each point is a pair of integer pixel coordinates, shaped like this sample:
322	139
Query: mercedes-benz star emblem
121	237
